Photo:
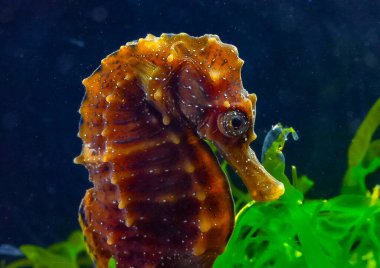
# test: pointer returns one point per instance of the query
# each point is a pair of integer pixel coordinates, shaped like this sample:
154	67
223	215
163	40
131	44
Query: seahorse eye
233	123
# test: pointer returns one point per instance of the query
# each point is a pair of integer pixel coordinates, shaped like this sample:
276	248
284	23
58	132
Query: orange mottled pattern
159	197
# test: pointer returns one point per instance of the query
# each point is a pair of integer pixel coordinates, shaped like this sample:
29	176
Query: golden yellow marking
226	104
150	37
214	75
240	62
157	95
199	249
252	97
170	58
150	44
114	180
174	138
201	195
212	40
109	98
205	224
111	152
110	239
234	49
189	167
129	221
78	159
122	204
166	120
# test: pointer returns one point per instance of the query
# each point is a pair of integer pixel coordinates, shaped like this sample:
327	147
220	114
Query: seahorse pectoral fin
260	184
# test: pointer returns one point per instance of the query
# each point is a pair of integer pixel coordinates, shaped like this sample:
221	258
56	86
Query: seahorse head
196	82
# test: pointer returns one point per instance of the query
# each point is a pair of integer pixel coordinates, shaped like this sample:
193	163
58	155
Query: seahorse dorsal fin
144	70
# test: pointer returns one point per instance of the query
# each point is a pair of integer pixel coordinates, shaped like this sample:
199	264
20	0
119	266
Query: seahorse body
159	197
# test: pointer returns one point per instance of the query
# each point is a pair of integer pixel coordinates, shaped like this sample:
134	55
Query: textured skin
159	197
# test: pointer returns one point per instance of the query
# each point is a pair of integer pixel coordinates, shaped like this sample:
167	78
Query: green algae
363	153
293	231
67	254
343	231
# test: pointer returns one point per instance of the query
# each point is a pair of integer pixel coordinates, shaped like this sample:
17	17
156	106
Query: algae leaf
343	231
363	154
68	254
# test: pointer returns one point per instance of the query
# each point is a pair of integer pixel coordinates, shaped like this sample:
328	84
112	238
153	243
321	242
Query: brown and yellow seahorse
160	198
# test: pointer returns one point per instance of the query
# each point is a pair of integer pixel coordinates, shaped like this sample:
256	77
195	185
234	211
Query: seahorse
160	198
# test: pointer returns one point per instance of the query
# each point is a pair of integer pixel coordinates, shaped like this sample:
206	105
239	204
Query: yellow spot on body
109	98
170	58
151	44
174	138
214	75
199	249
166	120
234	49
201	196
129	221
240	61
122	204
110	239
113	180
189	167
111	153
78	159
205	224
212	40
226	104
157	95
150	37
253	98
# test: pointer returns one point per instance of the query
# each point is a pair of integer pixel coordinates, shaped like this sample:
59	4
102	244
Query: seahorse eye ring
233	123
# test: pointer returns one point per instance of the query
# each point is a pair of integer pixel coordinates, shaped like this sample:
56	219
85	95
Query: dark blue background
313	64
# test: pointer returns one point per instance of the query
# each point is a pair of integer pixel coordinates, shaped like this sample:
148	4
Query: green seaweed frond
67	254
363	153
343	231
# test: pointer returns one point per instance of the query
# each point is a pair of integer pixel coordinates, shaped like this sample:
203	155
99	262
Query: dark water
314	65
